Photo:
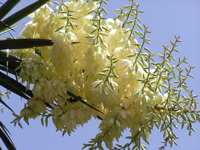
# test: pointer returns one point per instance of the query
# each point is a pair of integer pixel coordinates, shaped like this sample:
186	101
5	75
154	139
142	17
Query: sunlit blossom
73	64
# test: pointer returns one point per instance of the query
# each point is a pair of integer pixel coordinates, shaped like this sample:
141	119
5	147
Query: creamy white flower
73	63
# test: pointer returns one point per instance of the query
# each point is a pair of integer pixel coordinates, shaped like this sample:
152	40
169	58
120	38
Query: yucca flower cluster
90	62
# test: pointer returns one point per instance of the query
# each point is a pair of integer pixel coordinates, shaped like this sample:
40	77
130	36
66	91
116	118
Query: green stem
141	48
129	15
149	72
161	69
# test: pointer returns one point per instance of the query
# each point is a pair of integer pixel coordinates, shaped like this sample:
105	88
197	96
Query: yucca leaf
9	144
24	43
6	26
4	128
22	13
13	89
14	86
12	65
8	59
9	70
6	30
6	138
7	7
4	54
1	101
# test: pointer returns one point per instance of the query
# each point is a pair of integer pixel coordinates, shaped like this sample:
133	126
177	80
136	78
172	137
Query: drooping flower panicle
91	65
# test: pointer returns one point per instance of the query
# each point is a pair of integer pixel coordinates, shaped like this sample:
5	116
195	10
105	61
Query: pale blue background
164	18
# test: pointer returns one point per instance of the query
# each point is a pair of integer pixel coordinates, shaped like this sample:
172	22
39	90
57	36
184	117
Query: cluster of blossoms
100	73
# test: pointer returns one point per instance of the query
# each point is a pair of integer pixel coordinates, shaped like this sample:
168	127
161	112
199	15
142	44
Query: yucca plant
117	82
9	63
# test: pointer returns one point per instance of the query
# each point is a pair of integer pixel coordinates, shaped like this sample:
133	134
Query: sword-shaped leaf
7	7
8	29
22	13
6	138
14	86
1	101
11	65
16	73
24	43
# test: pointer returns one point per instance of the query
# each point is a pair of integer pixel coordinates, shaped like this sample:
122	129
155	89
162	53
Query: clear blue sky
164	18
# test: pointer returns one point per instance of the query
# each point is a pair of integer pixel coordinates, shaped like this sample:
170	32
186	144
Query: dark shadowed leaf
24	43
6	138
22	13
